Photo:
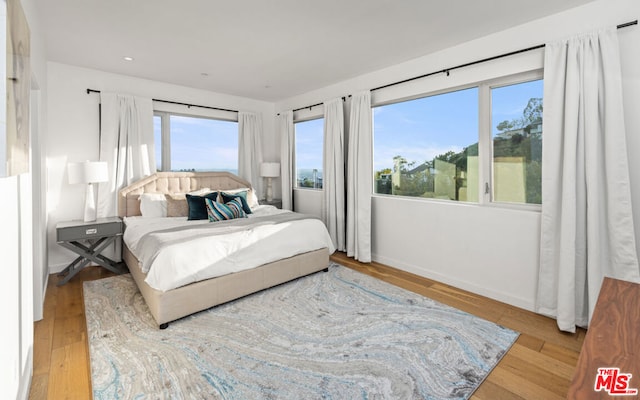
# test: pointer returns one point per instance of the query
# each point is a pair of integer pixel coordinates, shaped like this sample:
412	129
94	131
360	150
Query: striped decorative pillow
221	212
240	196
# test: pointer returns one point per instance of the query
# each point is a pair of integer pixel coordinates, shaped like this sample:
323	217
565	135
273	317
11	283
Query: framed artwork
14	138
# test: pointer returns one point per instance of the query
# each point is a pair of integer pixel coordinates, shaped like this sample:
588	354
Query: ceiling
268	49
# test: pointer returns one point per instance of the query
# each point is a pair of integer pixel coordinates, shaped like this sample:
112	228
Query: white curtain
250	149
126	144
587	229
333	204
359	178
287	161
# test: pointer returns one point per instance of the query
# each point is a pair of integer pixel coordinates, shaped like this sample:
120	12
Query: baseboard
519	302
44	296
25	378
57	268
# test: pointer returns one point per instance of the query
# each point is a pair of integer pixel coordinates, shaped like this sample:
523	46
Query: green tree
507	125
531	115
533	111
417	184
402	163
306	182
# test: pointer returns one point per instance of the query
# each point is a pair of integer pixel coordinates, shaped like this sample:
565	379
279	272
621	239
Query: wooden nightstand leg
104	261
72	269
84	249
87	254
70	266
93	253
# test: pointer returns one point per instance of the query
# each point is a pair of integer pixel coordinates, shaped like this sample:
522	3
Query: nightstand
275	202
97	235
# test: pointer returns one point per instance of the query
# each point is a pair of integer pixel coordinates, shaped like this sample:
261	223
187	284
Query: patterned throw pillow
222	212
240	196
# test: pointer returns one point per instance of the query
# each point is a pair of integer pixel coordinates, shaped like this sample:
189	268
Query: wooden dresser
613	344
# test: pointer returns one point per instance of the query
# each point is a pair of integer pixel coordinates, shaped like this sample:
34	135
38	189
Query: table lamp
88	172
269	170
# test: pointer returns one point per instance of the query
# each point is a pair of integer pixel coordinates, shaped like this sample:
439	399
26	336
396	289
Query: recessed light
127	58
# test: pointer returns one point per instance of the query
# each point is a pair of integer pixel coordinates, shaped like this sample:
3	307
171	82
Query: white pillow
153	205
252	199
201	192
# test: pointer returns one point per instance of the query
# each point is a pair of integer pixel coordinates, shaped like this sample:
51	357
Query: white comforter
175	252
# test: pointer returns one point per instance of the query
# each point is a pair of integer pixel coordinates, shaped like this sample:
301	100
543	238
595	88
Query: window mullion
485	148
166	142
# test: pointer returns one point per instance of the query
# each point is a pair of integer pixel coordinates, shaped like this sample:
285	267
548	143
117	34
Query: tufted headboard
174	182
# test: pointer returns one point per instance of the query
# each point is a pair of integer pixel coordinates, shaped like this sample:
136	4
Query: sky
508	102
417	129
423	128
309	144
200	143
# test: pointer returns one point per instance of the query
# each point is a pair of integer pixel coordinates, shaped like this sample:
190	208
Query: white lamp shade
270	169
88	172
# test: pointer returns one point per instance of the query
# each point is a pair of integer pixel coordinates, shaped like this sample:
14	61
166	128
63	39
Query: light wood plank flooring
539	366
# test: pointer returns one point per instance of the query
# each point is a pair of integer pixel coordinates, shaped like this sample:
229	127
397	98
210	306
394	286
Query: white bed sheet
172	262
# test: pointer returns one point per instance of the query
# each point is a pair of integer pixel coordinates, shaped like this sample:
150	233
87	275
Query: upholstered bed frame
180	302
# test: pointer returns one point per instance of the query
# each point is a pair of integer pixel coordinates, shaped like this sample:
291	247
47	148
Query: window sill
502	206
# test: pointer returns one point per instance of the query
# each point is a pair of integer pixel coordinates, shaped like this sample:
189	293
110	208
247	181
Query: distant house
534	128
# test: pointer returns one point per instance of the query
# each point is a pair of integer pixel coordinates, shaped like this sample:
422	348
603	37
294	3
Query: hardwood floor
539	366
60	349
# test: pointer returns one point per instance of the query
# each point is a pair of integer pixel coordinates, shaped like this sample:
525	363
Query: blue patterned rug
335	335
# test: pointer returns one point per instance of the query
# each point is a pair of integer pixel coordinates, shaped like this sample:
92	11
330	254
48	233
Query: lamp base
269	190
89	204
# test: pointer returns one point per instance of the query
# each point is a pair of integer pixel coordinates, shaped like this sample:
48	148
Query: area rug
332	335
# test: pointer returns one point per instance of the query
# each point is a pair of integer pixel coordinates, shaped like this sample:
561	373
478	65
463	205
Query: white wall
308	201
73	129
489	250
38	171
19	294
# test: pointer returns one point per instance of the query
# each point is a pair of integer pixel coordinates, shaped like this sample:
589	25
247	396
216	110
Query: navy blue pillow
226	197
197	205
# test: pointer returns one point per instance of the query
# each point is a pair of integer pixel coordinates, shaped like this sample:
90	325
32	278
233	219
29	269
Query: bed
169	303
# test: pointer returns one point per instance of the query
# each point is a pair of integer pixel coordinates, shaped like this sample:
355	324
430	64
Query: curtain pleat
126	144
333	182
359	178
587	230
287	161
250	149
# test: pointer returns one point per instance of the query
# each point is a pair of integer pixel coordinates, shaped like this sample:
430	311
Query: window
516	116
442	147
308	154
188	143
428	147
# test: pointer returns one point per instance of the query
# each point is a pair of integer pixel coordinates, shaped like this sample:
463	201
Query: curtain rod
176	102
447	70
344	98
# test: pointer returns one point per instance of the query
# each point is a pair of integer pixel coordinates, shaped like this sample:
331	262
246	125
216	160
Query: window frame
295	161
165	135
486	133
485	140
